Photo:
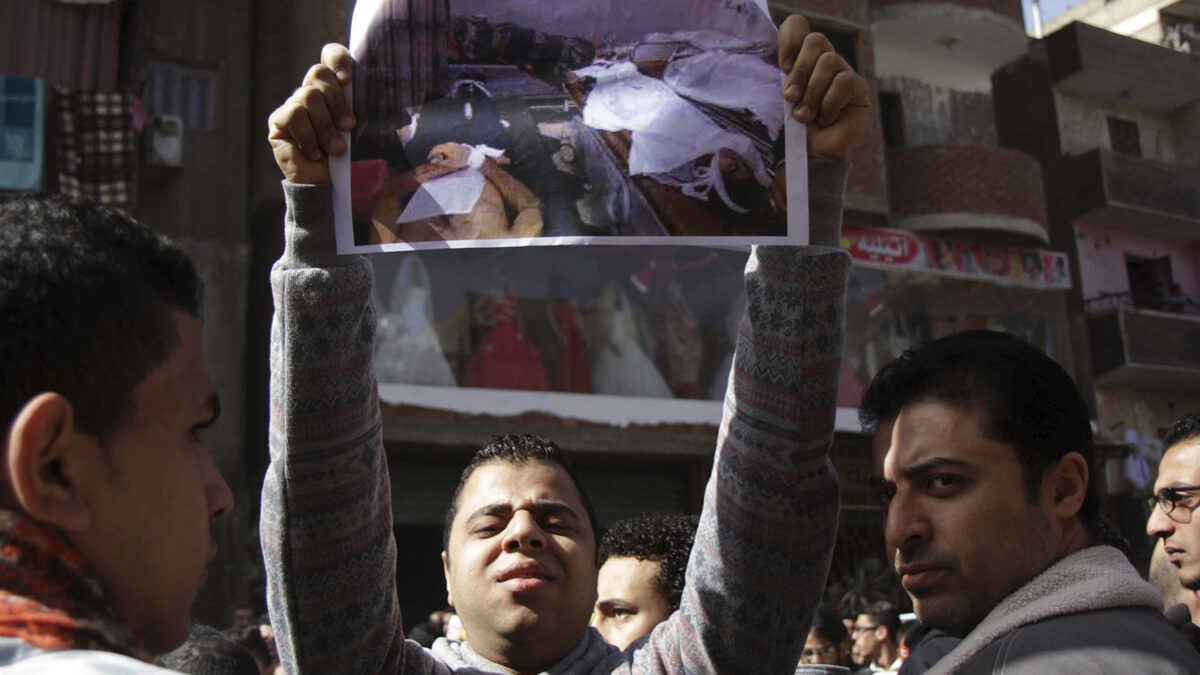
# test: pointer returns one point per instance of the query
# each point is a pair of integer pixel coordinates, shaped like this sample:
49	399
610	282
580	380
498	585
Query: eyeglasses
855	630
1169	498
819	651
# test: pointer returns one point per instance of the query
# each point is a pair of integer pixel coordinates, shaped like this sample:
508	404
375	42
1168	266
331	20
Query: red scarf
48	596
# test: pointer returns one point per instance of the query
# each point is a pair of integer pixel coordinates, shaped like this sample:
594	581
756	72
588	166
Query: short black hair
1023	398
664	539
884	613
208	652
515	449
1183	429
85	293
829	627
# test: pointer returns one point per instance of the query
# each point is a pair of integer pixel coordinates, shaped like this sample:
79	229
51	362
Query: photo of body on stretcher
542	121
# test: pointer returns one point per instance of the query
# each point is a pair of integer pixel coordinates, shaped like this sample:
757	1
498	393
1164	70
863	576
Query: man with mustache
520	558
993	520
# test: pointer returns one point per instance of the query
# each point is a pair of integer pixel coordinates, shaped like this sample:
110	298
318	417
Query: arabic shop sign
882	247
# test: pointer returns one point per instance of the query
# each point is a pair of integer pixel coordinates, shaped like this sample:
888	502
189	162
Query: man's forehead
931	431
518	483
619	574
1180	465
183	379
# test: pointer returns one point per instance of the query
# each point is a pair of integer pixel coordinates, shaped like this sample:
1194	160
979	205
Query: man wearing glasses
1176	496
875	640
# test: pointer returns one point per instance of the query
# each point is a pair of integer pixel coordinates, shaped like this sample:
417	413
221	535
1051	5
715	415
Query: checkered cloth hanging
96	146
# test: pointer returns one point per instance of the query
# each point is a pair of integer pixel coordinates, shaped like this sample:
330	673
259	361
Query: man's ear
446	571
1065	485
41	442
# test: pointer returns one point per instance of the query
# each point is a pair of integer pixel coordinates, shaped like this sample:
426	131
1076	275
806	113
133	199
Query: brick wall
963	178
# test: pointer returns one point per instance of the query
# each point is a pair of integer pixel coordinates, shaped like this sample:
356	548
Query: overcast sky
1050	9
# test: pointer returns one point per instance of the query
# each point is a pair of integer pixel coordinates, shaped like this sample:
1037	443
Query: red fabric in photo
574	372
367	178
504	358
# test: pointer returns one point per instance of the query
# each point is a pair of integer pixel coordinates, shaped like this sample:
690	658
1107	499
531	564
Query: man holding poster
519	531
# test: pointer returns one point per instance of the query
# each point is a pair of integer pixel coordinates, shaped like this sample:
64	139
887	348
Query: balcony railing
1153	301
1144	348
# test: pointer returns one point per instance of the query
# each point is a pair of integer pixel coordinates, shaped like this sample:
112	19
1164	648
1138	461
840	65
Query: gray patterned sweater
769	519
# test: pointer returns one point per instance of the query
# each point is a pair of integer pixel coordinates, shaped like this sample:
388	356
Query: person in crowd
108	490
824	641
993	519
922	646
520	557
250	638
429	631
1180	302
1176	496
640	583
875	638
208	652
1165	577
242	616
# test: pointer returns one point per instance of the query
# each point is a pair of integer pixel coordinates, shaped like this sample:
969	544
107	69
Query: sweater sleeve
326	523
762	550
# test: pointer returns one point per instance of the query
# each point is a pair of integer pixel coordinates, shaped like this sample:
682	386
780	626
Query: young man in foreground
520	558
993	518
107	490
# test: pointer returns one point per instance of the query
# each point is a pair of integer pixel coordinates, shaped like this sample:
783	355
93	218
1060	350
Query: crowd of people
982	445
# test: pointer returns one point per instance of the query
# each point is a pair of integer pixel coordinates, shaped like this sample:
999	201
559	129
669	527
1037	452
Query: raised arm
326	508
762	551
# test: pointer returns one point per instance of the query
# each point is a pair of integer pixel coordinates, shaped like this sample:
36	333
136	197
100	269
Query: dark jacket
1118	640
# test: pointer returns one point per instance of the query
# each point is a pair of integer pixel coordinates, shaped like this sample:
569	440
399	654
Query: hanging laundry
95	146
505	358
407	350
22	136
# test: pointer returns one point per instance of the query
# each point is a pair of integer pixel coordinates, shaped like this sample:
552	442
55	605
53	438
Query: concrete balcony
1090	61
981	192
954	44
1146	349
1134	194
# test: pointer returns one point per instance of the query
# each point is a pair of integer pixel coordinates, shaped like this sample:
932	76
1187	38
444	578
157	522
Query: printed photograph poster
485	123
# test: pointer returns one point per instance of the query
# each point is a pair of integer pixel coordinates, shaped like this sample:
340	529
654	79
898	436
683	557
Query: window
1150	280
186	93
891	114
1123	136
845	44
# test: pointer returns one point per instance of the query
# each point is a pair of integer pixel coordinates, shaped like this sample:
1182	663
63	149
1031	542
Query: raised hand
304	131
826	93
